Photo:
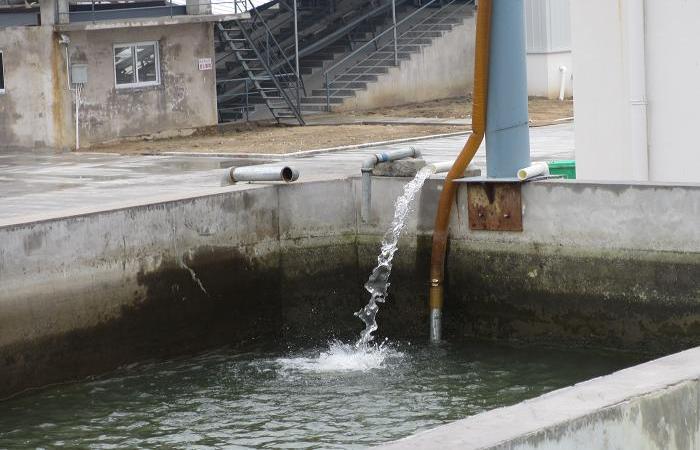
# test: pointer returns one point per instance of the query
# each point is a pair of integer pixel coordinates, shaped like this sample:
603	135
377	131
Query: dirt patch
540	109
277	139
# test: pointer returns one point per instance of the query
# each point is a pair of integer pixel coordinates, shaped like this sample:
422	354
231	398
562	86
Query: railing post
296	55
328	94
93	11
247	107
396	42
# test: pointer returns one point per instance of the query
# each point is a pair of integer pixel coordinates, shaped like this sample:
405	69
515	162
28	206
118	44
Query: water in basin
331	397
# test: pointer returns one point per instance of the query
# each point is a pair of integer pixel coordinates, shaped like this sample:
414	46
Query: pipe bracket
495	206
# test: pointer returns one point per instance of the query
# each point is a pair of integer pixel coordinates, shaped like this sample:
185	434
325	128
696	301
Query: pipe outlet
264	173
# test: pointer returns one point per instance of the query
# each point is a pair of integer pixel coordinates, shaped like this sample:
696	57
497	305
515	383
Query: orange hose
481	75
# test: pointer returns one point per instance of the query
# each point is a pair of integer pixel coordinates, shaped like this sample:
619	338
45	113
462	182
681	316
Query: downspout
367	168
437	262
65	41
636	63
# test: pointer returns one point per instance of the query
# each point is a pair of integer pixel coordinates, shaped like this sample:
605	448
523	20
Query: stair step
322	100
356	77
420	33
363	70
356	85
334	92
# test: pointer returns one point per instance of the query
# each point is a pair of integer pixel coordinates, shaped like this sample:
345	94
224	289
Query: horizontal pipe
533	170
264	173
392	155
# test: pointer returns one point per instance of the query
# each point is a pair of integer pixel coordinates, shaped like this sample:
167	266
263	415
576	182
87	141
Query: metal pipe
264	173
296	53
367	168
328	94
481	75
507	129
396	41
77	117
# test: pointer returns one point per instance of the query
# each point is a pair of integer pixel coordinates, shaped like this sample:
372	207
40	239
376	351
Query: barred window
136	65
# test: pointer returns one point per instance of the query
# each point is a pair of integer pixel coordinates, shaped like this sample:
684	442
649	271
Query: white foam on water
341	357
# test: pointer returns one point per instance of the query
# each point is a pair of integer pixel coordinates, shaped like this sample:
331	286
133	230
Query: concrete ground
37	186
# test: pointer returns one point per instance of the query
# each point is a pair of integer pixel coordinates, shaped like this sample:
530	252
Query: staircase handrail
376	38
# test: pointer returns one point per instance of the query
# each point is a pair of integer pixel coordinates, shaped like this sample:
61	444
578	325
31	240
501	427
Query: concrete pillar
53	11
507	133
198	7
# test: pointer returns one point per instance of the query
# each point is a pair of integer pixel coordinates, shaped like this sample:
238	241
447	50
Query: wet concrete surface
40	186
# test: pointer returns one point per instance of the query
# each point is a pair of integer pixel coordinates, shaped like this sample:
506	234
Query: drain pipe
368	167
443	166
481	74
562	82
636	61
264	173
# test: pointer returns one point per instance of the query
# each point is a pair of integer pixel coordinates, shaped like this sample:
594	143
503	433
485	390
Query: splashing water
341	357
365	355
378	283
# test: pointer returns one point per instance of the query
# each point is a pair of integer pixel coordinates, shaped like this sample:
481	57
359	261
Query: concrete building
636	89
549	60
132	69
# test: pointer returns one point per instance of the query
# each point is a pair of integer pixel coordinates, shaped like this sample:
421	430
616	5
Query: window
136	64
2	75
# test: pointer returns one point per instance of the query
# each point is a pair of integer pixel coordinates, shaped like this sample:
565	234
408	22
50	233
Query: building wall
185	98
32	113
548	39
673	70
602	108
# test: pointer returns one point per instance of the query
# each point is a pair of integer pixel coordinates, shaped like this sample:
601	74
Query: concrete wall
592	267
652	406
184	100
603	134
32	113
441	70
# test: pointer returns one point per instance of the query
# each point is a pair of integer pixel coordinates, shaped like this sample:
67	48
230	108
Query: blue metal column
507	134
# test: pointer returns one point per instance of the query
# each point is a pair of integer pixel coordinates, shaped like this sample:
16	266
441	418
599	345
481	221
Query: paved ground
43	186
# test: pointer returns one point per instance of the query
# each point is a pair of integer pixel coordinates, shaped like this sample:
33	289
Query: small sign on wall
204	64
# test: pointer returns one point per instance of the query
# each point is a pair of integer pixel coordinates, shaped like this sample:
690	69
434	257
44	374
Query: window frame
132	46
2	71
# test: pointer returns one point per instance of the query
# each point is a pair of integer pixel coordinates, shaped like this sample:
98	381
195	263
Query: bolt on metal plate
495	206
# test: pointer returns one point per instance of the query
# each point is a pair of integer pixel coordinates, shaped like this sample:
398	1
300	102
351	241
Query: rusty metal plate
495	206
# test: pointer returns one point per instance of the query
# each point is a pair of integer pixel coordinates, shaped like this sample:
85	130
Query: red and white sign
204	64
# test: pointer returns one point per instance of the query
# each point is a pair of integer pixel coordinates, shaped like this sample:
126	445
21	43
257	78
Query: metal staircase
244	47
270	76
